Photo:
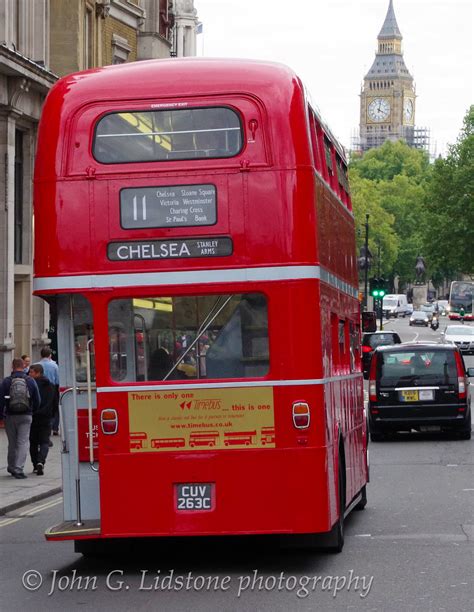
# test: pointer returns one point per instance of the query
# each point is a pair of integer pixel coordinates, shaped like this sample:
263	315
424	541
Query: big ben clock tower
387	99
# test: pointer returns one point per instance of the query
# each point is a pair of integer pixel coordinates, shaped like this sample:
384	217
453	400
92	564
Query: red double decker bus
194	232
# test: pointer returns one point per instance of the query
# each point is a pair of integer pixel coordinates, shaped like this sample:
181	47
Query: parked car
462	336
422	386
371	341
420	317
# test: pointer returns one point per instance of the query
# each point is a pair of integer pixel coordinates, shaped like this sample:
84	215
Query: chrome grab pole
72	356
144	332
89	405
62	430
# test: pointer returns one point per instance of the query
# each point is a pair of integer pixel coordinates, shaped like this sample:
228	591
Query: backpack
19	396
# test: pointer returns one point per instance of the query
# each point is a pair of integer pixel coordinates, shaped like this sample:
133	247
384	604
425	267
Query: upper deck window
146	136
342	174
327	150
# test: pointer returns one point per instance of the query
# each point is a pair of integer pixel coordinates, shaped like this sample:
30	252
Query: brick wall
111	27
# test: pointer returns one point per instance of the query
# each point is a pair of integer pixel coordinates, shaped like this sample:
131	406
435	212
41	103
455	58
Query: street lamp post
378	276
366	267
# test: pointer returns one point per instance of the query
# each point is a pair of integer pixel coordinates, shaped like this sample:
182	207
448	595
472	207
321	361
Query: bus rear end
195	342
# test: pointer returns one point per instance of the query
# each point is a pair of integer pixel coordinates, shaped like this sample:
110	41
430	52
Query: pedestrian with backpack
19	399
41	425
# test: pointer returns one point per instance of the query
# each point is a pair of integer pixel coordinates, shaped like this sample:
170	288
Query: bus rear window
193	133
188	337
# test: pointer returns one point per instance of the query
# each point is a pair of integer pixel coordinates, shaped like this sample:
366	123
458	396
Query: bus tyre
89	549
336	535
363	500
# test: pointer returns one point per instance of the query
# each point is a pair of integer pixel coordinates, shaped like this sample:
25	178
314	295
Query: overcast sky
331	44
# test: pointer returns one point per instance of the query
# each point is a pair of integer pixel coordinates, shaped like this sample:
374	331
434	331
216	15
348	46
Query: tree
390	160
366	199
450	205
397	175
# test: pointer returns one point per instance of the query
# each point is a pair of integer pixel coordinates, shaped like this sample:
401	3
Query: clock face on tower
379	109
408	109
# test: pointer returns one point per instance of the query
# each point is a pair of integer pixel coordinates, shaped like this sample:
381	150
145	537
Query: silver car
462	336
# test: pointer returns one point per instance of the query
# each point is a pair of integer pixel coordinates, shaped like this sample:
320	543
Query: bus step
69	529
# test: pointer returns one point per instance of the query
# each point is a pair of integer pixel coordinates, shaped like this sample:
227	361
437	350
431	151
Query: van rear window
145	136
405	369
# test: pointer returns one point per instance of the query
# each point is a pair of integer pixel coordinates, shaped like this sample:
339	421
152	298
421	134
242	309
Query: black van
419	386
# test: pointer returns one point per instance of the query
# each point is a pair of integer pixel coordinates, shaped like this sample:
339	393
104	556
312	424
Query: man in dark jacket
19	399
41	425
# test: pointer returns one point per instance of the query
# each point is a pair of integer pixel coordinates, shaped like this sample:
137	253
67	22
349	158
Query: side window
327	151
331	162
335	342
342	180
314	141
340	337
354	346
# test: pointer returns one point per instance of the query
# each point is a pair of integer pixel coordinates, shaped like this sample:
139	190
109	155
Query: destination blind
168	206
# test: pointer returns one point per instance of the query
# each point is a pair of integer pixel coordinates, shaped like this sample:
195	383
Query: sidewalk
17	493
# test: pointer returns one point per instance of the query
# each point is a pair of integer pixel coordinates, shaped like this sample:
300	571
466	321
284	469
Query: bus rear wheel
335	541
363	500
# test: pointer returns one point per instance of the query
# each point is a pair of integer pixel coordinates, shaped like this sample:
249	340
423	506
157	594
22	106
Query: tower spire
390	27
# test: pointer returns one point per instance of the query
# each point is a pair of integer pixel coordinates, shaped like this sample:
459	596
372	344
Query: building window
120	49
166	20
18	196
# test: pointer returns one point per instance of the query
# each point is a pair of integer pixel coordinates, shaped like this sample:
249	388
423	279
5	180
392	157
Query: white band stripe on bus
192	277
230	385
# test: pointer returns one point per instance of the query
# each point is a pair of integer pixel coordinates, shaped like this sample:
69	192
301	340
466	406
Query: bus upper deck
210	165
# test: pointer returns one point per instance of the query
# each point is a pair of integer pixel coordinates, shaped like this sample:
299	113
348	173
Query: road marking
35	510
440	537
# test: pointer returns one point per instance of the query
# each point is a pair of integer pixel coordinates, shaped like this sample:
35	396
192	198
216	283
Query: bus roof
175	78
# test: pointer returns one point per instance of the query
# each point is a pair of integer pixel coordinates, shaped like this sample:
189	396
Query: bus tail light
109	421
372	379
461	377
301	415
367	349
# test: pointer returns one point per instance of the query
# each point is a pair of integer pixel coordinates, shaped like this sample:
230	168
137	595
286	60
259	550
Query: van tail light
372	380
109	421
367	349
461	377
301	415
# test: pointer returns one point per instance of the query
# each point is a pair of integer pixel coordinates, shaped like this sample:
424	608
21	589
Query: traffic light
378	288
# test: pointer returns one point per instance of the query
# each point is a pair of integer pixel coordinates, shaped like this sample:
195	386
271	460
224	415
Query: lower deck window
188	337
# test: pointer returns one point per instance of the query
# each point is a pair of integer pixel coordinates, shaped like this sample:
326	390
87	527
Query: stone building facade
24	82
39	41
